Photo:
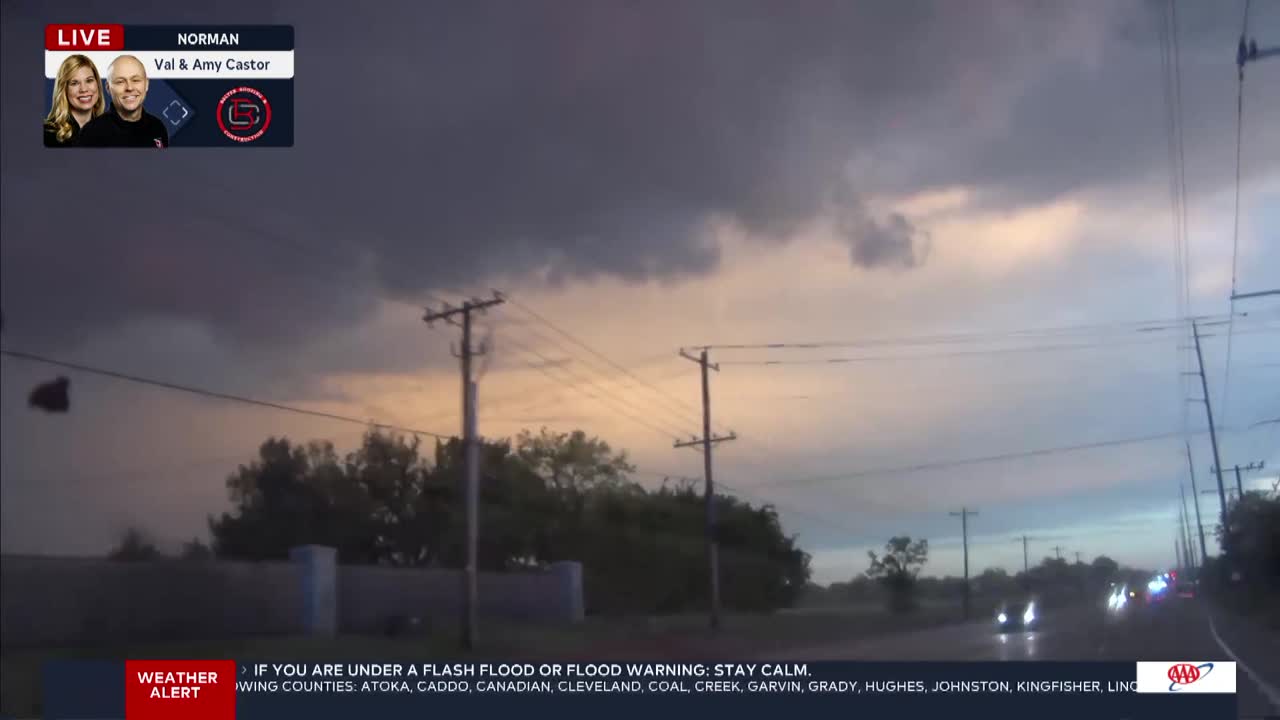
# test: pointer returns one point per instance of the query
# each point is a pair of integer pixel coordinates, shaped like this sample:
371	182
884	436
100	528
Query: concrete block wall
369	597
52	602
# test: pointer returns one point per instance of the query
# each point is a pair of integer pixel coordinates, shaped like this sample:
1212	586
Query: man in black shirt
127	123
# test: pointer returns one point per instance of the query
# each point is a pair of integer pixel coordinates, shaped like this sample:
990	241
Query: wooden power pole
709	491
964	532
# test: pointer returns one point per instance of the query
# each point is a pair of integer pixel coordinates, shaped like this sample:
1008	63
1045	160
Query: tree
136	545
994	582
196	551
544	498
1103	570
291	495
1253	544
573	461
898	568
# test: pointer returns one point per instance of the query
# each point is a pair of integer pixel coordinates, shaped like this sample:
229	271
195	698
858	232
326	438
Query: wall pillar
569	583
318	572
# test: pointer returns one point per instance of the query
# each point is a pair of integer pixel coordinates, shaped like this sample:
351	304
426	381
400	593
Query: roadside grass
677	637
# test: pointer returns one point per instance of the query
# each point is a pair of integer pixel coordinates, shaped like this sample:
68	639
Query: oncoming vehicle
1017	616
1158	589
1119	597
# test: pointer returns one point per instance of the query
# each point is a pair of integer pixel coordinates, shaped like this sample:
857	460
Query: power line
677	417
1002	335
981	460
1177	194
972	353
527	398
674	406
682	409
746	494
1235	229
215	394
622	407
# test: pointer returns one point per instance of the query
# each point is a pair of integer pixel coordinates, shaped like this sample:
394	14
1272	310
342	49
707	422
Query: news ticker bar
221	689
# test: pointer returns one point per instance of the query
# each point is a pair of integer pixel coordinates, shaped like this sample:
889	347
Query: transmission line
79	367
681	409
621	406
992	336
1235	226
676	417
969	353
981	460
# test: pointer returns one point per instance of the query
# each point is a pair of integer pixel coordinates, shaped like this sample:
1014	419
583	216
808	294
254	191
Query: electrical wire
980	460
967	353
746	494
79	367
1235	231
676	418
996	336
621	406
1173	137
676	406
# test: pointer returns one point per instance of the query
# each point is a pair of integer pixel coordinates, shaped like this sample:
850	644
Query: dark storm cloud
442	144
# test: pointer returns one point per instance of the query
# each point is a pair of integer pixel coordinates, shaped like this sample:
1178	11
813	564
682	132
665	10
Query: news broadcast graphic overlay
1187	676
272	688
190	689
211	86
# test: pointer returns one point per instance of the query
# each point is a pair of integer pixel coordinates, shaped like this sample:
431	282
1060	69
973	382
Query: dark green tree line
544	497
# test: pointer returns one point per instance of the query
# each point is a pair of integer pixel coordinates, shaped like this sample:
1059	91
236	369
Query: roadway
1178	629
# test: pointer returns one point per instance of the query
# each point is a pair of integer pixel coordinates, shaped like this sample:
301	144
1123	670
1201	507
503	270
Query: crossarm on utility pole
1258	294
1250	52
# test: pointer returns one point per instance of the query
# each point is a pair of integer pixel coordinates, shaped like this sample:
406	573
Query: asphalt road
1178	629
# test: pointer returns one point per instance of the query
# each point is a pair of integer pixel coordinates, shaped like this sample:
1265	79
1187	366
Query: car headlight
1002	618
1030	615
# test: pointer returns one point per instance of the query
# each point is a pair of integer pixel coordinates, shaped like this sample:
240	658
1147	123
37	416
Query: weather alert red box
180	689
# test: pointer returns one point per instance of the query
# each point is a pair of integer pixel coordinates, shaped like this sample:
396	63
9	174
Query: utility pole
471	453
1213	434
1026	565
1240	482
964	531
1057	551
1077	557
709	491
1195	498
1185	520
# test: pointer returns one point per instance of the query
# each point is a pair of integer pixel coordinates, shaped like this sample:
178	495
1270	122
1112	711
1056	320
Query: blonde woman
77	99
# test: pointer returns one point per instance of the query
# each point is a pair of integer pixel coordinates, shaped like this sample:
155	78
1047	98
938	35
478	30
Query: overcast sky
648	177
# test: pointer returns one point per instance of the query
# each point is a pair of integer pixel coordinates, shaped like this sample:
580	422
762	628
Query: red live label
187	689
84	37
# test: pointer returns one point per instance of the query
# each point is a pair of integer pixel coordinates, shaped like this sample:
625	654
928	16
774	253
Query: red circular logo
244	114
